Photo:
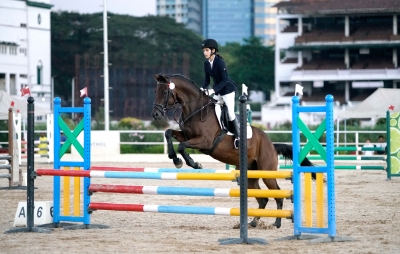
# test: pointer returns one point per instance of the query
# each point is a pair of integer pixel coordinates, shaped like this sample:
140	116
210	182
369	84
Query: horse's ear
160	78
157	77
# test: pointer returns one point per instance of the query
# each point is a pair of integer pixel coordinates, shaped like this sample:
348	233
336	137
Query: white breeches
229	100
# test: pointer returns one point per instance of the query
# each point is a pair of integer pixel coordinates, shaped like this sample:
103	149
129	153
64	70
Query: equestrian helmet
209	43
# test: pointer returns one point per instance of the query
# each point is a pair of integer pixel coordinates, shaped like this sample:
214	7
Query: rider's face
207	52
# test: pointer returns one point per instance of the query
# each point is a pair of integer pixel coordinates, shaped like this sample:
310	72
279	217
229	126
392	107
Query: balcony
344	75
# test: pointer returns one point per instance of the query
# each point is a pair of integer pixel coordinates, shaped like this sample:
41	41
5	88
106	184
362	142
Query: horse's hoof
277	225
198	166
253	224
179	163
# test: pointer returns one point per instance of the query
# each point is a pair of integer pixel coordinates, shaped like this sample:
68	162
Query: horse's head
165	98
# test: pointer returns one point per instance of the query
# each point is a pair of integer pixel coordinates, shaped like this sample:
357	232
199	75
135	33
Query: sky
129	7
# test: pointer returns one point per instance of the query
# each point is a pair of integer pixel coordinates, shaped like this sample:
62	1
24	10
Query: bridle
163	108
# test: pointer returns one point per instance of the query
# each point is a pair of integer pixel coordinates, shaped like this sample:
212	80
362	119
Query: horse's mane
182	78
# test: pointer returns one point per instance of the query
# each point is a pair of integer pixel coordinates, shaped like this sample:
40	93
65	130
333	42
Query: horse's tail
287	152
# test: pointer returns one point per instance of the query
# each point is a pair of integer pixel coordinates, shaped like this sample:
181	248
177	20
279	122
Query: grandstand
346	48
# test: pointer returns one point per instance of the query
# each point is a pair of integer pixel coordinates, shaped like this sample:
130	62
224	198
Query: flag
84	92
298	90
391	107
244	89
12	104
25	90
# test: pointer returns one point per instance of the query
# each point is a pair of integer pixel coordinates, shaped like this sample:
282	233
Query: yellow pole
66	193
77	194
263	193
320	200
308	199
267	174
206	176
263	213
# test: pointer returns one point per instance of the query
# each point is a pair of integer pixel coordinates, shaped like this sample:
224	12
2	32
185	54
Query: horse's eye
165	92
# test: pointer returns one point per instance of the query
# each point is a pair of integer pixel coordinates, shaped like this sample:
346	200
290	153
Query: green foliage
131	123
251	64
255	106
131	39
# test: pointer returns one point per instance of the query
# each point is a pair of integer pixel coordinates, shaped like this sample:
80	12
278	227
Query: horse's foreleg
195	143
178	135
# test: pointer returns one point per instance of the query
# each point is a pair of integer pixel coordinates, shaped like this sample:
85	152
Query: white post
299	58
395	58
50	138
73	97
300	26
105	40
357	153
346	58
7	85
395	24
17	132
16	170
52	94
346	26
347	91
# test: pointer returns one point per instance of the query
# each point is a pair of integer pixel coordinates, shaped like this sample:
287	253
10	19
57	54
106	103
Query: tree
131	38
251	64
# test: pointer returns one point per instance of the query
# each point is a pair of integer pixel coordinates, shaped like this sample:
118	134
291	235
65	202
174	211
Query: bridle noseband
163	108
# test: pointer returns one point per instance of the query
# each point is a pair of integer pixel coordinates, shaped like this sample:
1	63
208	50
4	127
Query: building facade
228	20
264	20
188	12
345	48
25	51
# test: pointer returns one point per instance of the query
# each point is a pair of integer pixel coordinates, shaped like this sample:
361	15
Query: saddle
222	114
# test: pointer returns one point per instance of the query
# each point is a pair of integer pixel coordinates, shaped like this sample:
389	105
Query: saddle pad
218	114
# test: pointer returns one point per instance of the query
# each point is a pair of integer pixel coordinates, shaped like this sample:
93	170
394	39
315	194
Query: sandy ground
367	210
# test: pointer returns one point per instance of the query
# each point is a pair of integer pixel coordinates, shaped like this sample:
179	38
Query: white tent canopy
375	106
20	104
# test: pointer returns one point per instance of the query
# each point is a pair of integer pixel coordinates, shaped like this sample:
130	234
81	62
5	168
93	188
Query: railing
338	136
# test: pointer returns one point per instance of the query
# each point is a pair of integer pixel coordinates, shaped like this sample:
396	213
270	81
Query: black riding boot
236	132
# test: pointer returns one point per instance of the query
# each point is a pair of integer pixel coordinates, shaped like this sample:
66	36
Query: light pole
105	40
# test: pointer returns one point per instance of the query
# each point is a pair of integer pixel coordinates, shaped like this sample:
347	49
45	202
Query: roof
375	105
329	7
20	105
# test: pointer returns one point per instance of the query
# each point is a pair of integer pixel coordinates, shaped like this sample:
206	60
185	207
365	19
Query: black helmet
209	43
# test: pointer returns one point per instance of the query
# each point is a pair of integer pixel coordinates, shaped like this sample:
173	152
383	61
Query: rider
224	88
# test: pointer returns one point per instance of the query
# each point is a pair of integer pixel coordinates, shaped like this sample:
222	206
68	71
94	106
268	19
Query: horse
200	129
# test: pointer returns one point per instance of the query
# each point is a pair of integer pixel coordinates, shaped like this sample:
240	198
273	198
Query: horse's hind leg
189	161
272	184
262	202
171	152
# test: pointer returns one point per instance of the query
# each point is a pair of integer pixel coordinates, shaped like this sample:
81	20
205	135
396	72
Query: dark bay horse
200	130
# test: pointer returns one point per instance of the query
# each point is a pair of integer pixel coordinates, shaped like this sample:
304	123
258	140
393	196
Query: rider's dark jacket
222	83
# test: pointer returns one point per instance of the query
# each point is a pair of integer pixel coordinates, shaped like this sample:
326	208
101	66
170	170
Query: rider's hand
210	91
202	89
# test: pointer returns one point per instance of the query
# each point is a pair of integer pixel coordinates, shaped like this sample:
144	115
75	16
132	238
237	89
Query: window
3	49
39	72
13	50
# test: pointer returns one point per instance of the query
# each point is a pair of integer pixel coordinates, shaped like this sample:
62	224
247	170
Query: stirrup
234	143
